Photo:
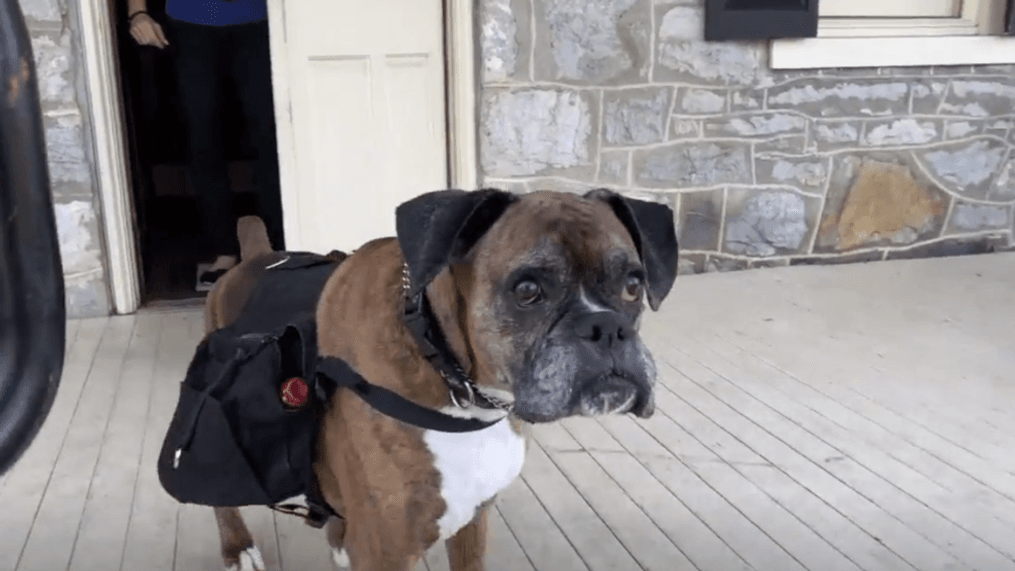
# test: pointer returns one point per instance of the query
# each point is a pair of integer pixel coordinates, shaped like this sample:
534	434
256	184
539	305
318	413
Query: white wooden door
365	124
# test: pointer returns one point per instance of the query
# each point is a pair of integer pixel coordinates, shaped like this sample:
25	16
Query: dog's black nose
604	329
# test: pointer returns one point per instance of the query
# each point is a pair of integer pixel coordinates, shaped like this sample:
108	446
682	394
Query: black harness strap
338	373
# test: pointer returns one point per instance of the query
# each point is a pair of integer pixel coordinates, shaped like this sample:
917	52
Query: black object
232	441
760	19
32	312
1009	19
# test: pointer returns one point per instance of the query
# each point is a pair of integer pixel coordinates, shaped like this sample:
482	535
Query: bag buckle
315	518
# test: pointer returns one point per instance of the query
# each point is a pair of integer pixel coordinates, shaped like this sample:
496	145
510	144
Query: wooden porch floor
820	418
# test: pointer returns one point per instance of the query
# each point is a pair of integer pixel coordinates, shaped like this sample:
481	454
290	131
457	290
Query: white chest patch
474	467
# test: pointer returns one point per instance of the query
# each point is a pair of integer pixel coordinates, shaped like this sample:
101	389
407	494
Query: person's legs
250	60
200	77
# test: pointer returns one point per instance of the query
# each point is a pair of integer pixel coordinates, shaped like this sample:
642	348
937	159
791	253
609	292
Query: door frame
105	111
108	128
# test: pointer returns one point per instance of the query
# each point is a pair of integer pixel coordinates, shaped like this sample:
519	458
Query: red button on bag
295	392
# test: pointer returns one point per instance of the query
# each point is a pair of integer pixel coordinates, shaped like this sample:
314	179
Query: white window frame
969	39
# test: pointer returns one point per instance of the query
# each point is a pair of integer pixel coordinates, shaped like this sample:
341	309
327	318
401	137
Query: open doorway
169	232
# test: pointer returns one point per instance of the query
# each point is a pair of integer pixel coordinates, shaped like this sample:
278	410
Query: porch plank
56	524
815	464
103	531
700	543
923	476
263	527
544	544
598	547
649	546
151	533
22	487
301	547
913	422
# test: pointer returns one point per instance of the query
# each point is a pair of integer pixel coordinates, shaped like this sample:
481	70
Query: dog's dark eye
632	289
528	292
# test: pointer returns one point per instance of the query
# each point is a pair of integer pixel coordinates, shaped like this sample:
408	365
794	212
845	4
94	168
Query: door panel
366	81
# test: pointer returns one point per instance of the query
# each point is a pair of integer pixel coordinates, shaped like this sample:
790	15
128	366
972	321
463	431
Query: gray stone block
690	264
928	95
505	39
767	223
636	116
720	263
755	126
699	163
901	132
516	186
1003	188
699	219
972	217
967	168
65	149
698	101
592	42
985	97
859	257
54	67
962	128
830	135
769	263
789	144
998	127
613	167
86	296
838	98
559	184
747	99
682	128
42	10
683	55
808	174
530	131
953	247
77	229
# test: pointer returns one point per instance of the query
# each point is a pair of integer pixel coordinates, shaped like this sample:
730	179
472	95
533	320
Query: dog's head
551	288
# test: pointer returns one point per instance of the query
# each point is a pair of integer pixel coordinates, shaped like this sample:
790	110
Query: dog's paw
250	560
340	558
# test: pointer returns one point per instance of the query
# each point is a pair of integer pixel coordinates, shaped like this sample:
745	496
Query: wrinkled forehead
549	229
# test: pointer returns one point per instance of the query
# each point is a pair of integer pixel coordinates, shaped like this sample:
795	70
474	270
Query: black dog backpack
246	422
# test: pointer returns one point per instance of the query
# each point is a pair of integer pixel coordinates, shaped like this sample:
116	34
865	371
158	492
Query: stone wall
53	26
762	167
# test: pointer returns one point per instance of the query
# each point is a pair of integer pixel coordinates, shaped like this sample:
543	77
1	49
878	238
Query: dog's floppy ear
651	225
439	228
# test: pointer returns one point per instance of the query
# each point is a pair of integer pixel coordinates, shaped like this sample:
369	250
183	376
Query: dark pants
206	57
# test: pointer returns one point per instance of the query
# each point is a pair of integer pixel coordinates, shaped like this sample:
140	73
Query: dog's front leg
467	548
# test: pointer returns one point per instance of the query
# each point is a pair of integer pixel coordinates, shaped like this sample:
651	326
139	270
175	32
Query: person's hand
147	32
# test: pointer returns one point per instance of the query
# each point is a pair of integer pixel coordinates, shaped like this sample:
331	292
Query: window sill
810	53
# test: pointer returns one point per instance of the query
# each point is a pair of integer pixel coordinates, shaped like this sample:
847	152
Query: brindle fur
377	472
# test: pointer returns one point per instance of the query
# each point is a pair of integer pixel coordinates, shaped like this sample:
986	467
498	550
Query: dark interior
169	234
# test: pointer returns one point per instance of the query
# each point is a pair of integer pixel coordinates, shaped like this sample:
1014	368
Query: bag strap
333	372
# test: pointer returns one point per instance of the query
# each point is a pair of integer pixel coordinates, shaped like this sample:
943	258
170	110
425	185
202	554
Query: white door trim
459	38
460	54
108	149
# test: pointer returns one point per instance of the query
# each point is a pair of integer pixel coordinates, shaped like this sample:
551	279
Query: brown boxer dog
539	297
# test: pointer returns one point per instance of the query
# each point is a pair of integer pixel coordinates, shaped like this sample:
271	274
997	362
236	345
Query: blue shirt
217	12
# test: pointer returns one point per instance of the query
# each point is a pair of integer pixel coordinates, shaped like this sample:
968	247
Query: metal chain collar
471	389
